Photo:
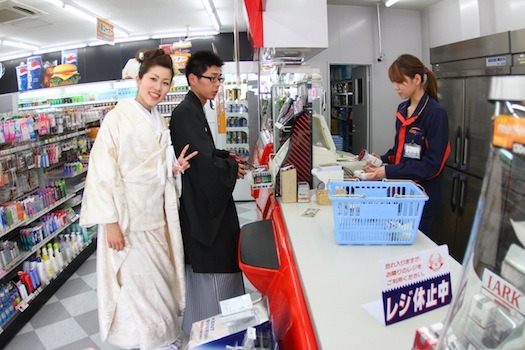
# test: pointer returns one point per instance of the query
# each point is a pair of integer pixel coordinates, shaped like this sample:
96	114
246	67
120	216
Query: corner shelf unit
341	103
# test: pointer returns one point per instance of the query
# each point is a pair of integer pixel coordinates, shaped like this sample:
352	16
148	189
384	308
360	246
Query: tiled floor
69	319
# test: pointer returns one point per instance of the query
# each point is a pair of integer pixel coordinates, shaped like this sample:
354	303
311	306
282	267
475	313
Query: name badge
412	151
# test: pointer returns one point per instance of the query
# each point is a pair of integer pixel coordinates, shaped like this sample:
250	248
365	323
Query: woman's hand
376	173
183	160
115	237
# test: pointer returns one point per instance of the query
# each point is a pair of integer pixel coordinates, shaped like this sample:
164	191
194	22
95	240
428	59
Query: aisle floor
69	319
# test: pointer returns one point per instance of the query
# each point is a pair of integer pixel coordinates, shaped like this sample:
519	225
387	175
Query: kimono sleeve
103	177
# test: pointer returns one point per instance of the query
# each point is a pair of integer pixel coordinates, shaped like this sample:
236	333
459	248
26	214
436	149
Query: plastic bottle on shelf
41	270
58	256
51	256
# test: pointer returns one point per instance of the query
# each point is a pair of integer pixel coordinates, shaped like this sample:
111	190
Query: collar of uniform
420	106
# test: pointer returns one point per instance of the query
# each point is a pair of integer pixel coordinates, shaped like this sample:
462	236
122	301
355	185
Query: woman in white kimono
132	191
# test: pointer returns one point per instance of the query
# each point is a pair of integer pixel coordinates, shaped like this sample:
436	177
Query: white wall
353	39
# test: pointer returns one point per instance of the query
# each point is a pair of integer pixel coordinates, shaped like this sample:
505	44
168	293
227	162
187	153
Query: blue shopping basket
376	212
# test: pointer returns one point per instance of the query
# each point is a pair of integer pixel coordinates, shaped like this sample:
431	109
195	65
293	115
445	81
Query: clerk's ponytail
408	65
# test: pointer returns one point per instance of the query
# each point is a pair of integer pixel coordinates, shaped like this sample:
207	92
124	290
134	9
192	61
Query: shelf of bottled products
46	137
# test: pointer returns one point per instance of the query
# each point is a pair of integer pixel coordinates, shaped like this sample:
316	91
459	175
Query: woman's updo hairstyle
151	58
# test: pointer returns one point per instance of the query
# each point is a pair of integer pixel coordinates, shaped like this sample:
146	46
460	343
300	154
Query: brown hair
151	58
408	66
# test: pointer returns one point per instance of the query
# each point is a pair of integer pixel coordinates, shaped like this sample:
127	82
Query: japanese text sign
415	283
105	30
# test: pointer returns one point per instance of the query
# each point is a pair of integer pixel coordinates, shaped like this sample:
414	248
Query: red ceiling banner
254	10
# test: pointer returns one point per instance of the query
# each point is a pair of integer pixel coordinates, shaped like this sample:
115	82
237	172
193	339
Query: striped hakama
205	290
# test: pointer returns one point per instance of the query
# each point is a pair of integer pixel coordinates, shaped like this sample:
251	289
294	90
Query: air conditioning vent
14	11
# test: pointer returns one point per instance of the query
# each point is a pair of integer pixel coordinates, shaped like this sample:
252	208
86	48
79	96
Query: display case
240	98
488	311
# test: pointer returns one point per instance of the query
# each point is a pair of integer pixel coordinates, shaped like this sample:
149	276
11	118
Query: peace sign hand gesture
183	160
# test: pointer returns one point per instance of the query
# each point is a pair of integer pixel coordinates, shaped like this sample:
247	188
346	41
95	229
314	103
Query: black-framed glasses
218	79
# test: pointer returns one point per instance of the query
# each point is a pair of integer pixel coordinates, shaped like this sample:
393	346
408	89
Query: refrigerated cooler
464	71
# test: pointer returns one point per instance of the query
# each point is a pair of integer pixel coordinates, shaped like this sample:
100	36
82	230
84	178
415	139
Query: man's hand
115	237
183	160
241	171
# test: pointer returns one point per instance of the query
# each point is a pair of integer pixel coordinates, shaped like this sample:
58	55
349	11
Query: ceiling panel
57	26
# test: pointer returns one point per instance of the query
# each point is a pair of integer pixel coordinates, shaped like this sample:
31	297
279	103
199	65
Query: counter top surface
338	279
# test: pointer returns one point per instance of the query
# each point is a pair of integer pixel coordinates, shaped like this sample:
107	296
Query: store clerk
421	145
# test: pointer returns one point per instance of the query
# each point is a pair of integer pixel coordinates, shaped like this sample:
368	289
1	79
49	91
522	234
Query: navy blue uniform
421	149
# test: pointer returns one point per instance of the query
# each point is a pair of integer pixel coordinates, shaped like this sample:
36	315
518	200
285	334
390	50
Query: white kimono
141	289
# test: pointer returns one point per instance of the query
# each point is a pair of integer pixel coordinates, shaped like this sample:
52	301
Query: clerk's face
153	86
203	86
408	87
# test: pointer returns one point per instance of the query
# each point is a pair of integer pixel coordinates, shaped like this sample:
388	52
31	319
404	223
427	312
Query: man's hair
200	62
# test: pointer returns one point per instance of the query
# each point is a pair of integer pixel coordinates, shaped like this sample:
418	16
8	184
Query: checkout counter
316	288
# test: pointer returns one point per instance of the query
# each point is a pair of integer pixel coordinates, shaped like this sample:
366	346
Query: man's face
207	85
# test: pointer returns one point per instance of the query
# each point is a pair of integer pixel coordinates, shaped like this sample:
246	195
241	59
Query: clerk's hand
377	174
241	171
183	160
115	237
369	168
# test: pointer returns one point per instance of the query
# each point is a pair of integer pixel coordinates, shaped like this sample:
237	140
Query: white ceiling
57	26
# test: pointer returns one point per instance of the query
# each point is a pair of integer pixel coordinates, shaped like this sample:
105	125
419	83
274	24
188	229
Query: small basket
376	212
322	197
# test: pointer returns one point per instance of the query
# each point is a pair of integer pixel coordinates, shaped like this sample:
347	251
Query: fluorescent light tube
389	3
81	13
98	43
169	35
212	13
14	56
120	32
56	3
60	48
131	38
20	45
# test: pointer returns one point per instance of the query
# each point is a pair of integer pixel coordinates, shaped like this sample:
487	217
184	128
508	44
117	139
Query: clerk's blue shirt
421	148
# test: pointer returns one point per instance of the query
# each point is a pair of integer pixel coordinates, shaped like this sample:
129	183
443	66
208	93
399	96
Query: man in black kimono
209	222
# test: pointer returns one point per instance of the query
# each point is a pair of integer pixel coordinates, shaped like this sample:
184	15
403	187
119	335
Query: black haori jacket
209	222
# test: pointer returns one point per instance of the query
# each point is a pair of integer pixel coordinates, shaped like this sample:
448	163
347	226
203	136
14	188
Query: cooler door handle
453	195
457	150
466	150
462	194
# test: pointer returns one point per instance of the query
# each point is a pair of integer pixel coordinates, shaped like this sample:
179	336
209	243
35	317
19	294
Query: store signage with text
415	283
105	30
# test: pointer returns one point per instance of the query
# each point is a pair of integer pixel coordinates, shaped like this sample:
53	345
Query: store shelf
236	114
342	93
37	215
28	307
63	105
238	128
33	144
342	106
78	186
75	201
236	102
177	92
13	264
60	174
237	145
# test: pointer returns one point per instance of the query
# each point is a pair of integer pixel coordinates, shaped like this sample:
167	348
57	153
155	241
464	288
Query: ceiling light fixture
131	38
15	56
98	43
81	13
56	3
169	35
389	3
212	12
60	48
19	45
